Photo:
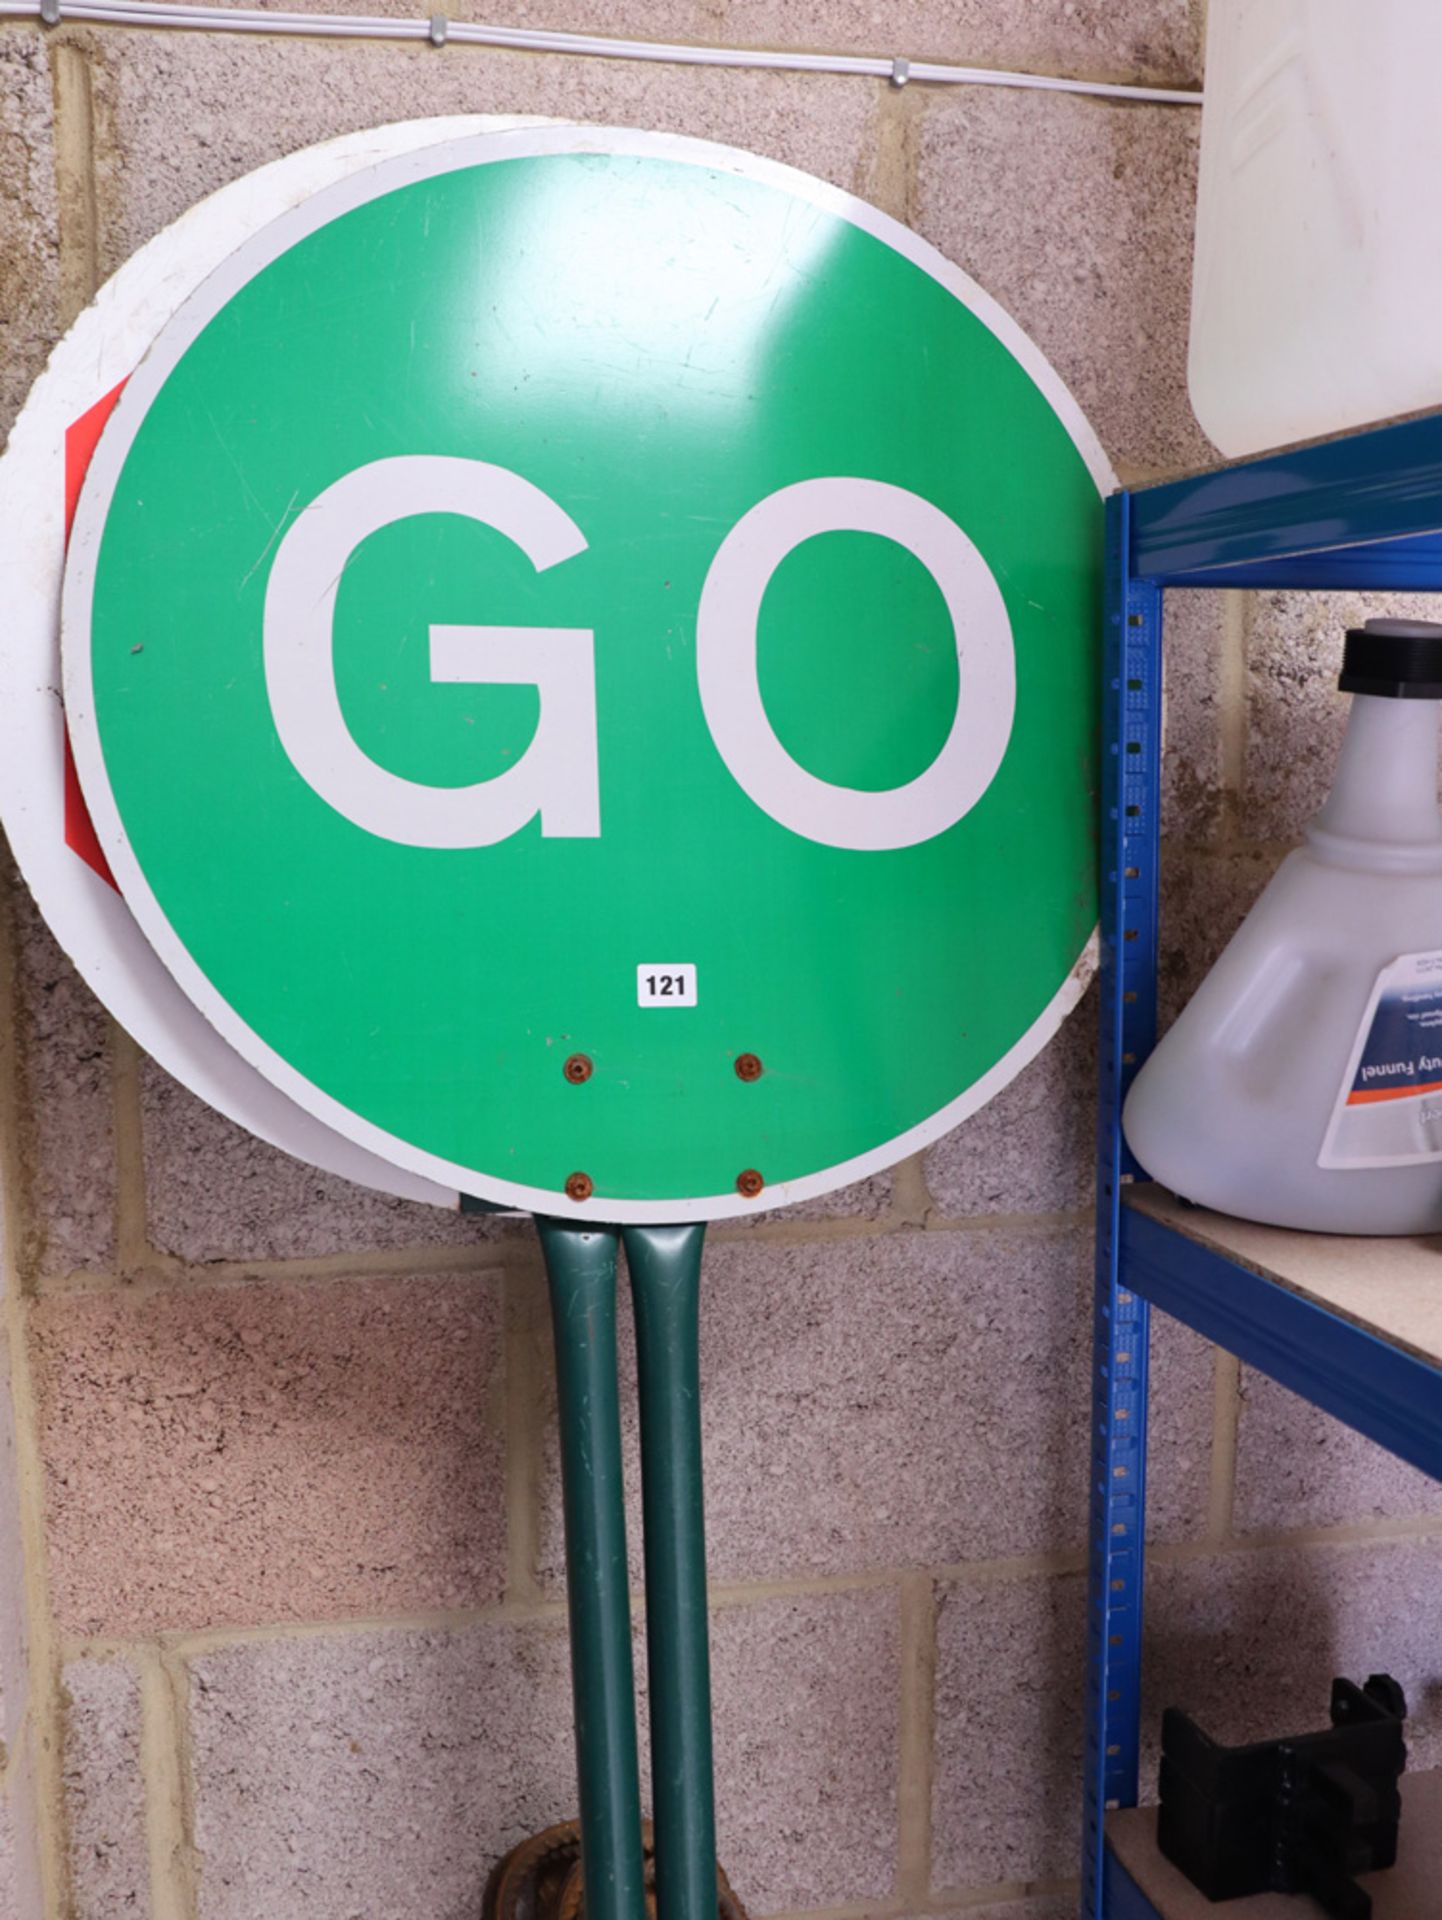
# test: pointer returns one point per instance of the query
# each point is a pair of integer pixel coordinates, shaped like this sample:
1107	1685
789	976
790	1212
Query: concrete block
1249	1642
69	1101
21	1896
1010	1678
1296	715
19	1888
882	1402
29	219
104	1792
1181	1415
384	1773
1297	1467
702	22
168	134
808	1694
376	1773
245	1454
215	1192
1077	217
9	1879
1158	40
1192	737
1033	1148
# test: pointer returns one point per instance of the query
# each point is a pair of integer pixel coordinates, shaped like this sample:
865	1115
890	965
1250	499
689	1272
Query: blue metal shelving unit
1361	512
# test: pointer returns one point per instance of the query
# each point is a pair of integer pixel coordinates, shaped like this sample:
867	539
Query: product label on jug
1389	1110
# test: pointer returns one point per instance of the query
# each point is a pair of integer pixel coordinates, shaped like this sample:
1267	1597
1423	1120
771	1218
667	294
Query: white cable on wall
440	30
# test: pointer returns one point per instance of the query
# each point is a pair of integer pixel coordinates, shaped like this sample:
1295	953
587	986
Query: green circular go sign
581	648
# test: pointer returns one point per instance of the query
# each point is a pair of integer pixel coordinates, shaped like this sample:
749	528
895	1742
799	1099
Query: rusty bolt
748	1066
578	1068
749	1183
580	1186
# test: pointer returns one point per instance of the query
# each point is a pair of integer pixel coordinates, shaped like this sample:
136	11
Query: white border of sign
233	270
90	920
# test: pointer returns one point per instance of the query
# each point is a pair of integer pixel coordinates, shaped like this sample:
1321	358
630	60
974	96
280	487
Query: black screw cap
1395	659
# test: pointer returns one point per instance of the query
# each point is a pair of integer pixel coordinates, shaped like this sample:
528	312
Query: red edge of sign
81	439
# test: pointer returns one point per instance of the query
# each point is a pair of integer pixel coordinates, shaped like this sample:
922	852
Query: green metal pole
665	1265
581	1270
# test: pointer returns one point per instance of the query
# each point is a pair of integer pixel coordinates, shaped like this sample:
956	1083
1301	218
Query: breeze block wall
281	1589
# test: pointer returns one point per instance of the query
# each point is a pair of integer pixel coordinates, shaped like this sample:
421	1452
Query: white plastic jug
1318	270
1302	1085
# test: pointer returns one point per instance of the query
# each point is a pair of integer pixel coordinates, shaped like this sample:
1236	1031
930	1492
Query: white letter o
730	690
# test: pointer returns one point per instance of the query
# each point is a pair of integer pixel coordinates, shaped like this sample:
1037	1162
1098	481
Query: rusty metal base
541	1880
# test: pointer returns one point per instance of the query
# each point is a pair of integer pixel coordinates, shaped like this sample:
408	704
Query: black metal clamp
1303	1815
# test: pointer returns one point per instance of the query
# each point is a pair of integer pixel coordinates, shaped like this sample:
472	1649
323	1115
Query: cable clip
900	72
50	13
440	28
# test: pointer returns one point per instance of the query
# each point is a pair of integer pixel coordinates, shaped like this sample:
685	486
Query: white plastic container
1318	270
1302	1085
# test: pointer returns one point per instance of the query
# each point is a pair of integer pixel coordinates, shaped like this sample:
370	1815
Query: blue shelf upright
1360	512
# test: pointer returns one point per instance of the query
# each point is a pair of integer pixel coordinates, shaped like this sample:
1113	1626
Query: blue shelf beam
1390	1396
1384	485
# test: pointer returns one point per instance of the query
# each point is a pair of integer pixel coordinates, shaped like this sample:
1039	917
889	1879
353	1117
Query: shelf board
1412	1890
1391	1288
1354	1325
